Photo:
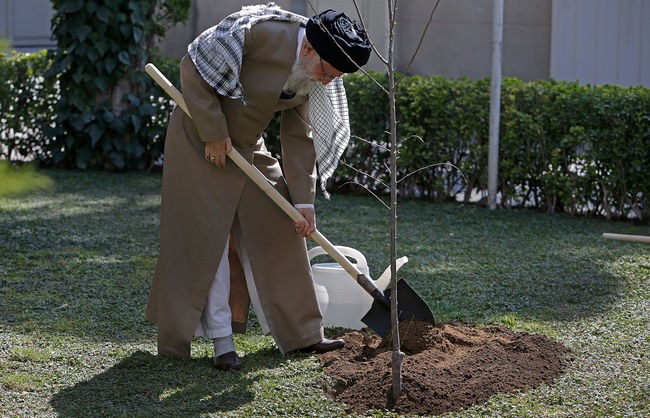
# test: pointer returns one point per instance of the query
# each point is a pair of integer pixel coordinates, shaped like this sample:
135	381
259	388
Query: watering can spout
384	280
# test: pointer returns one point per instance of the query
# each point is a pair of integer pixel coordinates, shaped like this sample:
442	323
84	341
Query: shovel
410	304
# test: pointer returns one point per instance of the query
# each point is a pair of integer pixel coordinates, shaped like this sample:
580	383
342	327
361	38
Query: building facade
590	41
26	24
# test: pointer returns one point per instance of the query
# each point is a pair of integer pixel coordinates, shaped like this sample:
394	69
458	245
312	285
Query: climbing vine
104	116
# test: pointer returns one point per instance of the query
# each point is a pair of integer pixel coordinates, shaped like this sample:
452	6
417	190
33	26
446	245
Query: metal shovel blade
410	306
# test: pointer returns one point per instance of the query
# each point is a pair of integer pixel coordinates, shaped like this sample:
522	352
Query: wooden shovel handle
261	181
626	237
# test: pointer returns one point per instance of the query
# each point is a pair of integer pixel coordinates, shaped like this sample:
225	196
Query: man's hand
215	152
306	228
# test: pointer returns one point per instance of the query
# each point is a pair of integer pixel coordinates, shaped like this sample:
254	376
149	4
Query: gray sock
223	345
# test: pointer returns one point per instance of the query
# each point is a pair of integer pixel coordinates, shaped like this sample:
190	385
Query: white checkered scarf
217	54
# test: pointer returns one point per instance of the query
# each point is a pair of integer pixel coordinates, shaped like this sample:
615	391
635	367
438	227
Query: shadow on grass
145	385
78	259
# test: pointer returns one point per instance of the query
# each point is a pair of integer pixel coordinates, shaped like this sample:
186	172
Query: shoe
323	346
227	361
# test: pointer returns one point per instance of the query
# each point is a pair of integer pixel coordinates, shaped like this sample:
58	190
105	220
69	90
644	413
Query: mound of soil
447	367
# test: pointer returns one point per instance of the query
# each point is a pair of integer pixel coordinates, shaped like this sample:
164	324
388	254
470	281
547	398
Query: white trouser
216	319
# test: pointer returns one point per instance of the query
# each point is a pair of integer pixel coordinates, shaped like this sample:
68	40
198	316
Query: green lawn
77	253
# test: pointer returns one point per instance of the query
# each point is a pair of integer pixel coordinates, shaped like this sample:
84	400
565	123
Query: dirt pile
447	367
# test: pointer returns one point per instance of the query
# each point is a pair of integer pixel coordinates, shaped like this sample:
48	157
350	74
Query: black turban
332	32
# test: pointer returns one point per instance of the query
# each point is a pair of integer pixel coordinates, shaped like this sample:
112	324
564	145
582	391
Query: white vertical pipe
495	102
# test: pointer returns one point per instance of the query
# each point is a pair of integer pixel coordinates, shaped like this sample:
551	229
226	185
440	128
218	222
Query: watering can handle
362	264
254	174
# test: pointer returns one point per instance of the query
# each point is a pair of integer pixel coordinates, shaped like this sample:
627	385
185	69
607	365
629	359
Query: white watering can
341	300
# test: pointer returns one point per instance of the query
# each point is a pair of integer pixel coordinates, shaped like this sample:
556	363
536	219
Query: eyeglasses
325	76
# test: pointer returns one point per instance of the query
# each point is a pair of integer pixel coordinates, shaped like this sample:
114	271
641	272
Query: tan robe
201	203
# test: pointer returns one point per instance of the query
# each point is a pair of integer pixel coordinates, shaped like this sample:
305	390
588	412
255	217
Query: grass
78	251
16	181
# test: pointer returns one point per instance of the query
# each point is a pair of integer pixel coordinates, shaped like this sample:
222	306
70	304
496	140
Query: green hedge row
563	147
28	103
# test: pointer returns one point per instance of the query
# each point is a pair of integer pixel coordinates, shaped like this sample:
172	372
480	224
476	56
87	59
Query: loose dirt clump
447	367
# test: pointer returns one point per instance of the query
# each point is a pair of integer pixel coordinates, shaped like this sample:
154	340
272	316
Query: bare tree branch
411	137
363	25
364	174
369	142
426	28
369	191
434	165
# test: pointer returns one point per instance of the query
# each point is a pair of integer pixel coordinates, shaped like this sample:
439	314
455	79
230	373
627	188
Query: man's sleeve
298	154
203	103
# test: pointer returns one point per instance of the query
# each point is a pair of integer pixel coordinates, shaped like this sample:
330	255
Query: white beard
299	82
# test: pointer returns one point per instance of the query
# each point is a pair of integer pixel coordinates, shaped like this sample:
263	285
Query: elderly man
236	76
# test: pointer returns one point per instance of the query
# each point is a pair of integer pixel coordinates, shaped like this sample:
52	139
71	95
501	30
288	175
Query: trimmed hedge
563	147
28	105
27	102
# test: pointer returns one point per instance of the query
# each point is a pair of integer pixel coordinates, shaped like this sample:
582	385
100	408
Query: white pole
495	102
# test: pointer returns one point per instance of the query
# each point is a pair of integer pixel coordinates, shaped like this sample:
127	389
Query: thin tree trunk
397	354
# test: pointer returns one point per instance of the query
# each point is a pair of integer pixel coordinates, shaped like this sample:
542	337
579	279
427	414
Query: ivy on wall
104	116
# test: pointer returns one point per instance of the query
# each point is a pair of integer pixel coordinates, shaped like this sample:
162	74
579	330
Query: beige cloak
202	204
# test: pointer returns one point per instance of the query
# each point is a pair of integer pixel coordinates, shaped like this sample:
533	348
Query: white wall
26	23
593	41
459	40
207	13
601	41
